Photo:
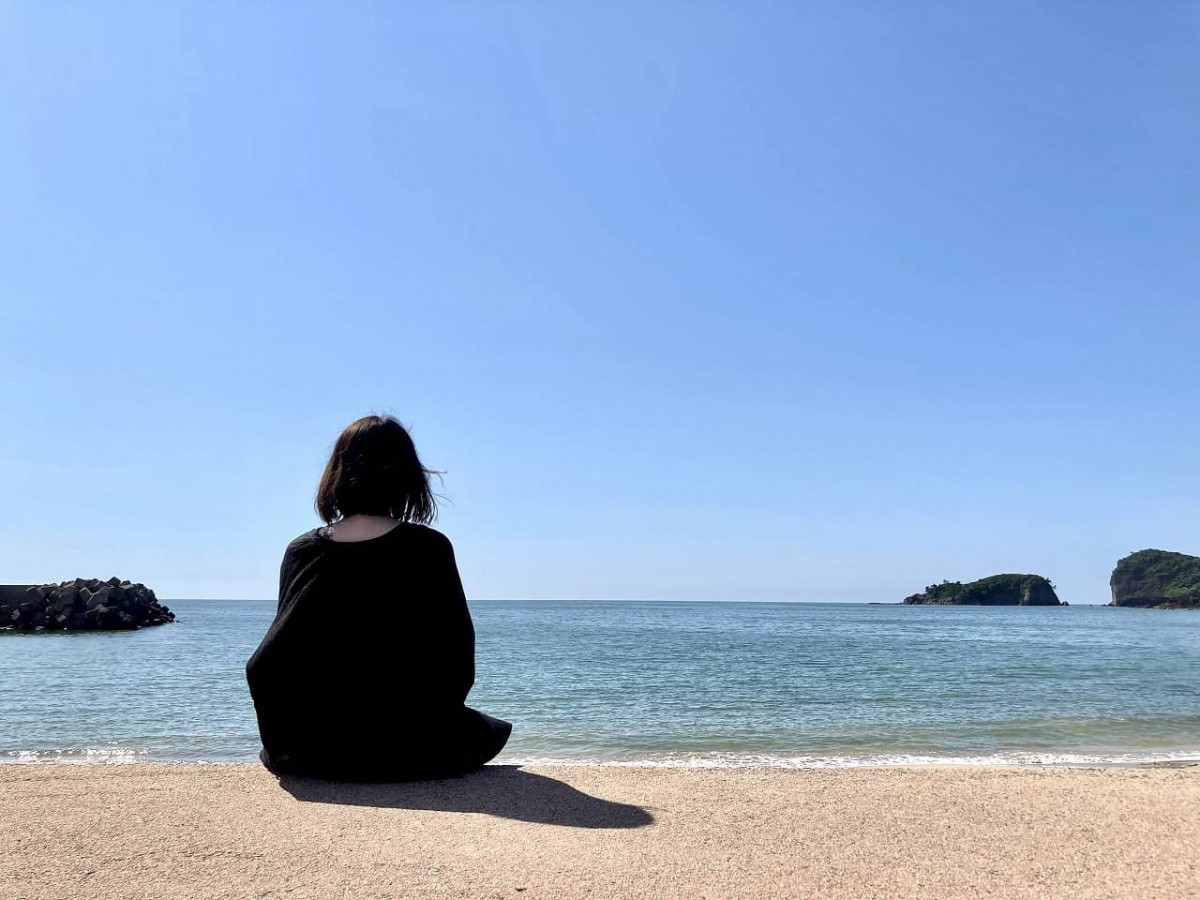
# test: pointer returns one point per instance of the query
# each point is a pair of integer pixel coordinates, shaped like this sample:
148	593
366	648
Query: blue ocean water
691	684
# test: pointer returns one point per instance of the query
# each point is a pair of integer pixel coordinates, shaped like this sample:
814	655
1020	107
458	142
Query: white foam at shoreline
79	755
771	761
708	760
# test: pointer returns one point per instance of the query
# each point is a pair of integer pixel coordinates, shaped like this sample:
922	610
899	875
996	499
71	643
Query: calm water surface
670	684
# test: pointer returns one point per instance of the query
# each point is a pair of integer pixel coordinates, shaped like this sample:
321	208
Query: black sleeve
260	667
461	647
267	669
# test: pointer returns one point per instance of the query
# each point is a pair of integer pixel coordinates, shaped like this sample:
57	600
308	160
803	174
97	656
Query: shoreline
194	830
699	761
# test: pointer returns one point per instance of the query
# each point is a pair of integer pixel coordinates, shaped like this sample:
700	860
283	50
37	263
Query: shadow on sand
503	791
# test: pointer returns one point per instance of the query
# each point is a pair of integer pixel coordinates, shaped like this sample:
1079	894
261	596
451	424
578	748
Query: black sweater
364	673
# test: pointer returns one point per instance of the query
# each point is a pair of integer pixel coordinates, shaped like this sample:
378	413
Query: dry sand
207	831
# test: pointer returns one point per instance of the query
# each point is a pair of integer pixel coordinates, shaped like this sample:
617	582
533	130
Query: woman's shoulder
303	542
416	532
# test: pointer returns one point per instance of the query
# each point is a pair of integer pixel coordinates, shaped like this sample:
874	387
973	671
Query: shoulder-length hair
374	470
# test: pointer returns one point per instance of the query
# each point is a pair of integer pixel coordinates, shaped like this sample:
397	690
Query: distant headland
996	590
1157	579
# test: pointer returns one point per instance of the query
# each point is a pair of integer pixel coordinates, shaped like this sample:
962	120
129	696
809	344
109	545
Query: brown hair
374	470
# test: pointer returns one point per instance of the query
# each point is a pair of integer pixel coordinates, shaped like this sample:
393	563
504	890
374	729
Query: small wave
704	760
78	755
715	760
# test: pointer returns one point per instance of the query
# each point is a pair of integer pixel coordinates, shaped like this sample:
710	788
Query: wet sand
235	831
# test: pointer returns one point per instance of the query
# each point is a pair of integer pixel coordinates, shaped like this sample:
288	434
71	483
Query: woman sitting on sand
364	674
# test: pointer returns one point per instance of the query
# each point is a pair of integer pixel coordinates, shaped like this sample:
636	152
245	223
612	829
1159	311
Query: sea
670	684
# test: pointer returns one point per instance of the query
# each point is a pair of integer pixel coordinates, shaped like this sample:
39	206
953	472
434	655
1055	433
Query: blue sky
795	301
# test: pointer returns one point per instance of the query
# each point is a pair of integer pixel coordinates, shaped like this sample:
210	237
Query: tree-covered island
1157	579
996	590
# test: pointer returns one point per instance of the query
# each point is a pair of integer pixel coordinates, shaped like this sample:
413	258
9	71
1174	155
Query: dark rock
64	600
100	598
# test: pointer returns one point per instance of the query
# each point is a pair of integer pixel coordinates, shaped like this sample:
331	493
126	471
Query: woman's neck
361	527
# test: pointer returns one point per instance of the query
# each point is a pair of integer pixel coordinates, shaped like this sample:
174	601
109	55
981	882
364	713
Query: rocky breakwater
81	604
996	590
1157	579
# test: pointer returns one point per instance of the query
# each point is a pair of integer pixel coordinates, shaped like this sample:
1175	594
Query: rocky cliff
1157	578
997	590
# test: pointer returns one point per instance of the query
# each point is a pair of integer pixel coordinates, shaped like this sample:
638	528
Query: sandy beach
217	831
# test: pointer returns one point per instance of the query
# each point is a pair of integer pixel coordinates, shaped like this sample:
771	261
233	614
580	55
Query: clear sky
791	301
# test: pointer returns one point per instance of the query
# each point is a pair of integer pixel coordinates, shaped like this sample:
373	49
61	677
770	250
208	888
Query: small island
82	604
1157	579
996	590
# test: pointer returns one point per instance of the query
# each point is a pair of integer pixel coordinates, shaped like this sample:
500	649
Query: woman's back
364	672
388	610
